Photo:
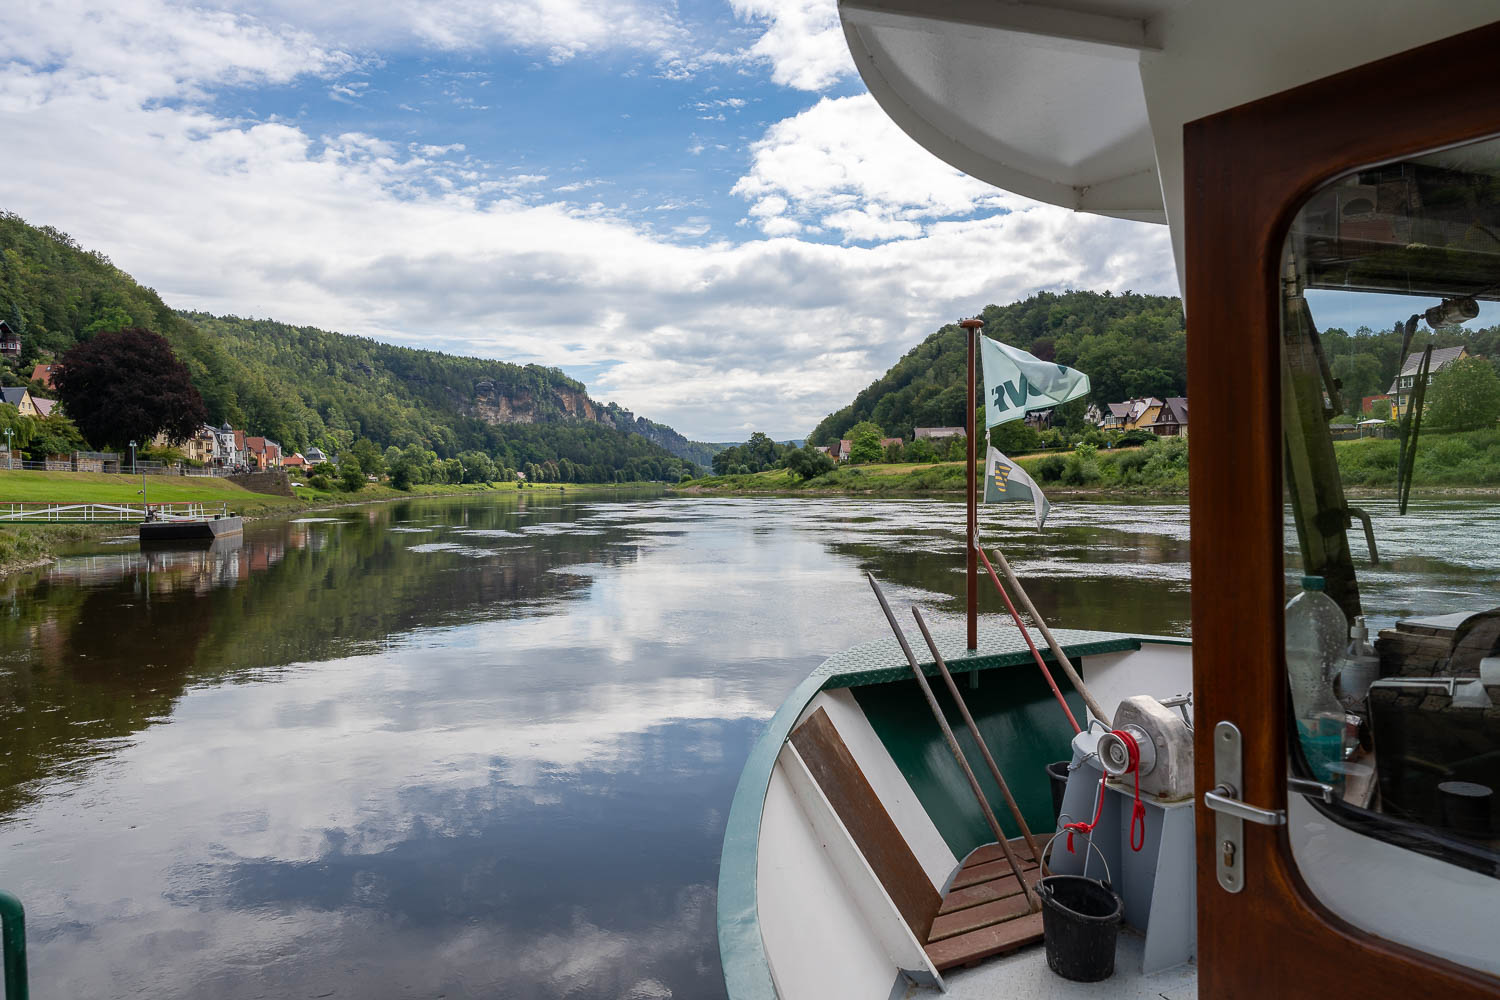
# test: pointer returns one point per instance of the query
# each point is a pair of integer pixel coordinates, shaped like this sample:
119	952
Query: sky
694	207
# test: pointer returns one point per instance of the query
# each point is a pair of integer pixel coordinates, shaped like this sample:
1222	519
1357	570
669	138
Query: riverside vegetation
1463	460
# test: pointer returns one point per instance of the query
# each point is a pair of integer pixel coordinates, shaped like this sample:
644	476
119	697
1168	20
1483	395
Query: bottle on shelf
1315	645
1360	668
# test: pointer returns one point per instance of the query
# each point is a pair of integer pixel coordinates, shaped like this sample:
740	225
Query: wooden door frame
1247	171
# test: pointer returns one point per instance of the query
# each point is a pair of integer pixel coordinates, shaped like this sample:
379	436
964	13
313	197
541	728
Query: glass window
1390	282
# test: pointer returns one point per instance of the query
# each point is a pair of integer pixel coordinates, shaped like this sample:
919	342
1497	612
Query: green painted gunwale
747	972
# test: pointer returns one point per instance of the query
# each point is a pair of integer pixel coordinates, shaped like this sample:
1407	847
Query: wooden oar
1032	904
984	750
1062	658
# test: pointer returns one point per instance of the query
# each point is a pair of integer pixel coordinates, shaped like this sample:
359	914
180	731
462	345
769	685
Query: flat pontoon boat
1323	820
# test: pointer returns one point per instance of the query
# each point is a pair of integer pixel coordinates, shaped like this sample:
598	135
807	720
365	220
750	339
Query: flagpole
972	326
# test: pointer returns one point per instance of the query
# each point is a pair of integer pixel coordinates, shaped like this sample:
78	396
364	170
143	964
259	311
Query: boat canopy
1081	103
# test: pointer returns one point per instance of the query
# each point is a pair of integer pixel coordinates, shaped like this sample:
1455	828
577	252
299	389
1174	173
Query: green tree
1465	396
351	475
808	462
54	435
864	442
21	428
367	453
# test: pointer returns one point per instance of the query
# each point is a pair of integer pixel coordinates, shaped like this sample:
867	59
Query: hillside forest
302	386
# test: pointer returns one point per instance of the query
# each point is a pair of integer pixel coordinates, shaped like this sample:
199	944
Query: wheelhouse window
1389	282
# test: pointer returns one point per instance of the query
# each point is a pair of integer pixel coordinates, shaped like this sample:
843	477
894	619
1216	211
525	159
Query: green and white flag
1016	383
1005	480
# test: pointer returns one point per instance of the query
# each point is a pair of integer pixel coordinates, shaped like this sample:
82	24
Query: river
459	747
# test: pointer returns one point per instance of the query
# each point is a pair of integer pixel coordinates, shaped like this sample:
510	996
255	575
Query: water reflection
459	748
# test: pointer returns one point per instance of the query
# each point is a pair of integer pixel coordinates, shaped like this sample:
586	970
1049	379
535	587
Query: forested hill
303	386
1129	345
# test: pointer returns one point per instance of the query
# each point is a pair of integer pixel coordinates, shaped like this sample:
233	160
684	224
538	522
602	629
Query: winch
1153	741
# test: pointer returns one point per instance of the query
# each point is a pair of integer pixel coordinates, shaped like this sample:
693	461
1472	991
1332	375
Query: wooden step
986	942
985	892
974	917
987	872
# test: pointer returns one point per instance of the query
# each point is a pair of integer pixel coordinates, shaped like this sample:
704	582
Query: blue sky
695	207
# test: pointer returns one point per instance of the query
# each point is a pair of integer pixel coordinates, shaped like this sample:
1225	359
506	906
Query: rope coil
1138	808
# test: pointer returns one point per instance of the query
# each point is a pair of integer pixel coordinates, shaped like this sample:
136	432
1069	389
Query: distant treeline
1128	344
303	387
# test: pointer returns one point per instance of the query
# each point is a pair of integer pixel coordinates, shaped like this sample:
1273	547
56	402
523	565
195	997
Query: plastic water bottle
1315	640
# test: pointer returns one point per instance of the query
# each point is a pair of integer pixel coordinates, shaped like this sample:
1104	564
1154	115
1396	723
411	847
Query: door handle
1224	799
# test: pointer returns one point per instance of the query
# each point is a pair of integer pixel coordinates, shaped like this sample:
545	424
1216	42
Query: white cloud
560	30
803	41
843	165
424	245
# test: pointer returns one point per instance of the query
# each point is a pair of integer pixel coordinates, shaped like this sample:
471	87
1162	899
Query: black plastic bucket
1080	922
1058	775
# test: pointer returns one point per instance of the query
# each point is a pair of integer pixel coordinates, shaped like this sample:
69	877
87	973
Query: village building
263	453
294	461
1133	414
10	340
1172	419
315	456
936	433
1404	383
1368	403
20	398
42	375
44	407
202	445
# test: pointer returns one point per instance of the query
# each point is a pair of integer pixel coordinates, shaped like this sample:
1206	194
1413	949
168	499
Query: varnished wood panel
1247	171
868	822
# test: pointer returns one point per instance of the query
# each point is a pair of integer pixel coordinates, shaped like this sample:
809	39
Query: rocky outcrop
496	403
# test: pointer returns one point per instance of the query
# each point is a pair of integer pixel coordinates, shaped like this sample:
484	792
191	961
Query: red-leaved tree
128	386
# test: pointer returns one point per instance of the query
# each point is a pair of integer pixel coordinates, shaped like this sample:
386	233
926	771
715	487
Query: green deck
1012	705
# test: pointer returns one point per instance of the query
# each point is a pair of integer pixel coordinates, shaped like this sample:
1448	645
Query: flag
1016	383
1005	480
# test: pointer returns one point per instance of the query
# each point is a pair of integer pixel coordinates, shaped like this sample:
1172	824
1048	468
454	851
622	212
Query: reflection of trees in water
104	646
1079	576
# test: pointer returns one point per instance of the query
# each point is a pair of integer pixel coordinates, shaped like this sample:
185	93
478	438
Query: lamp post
10	456
132	456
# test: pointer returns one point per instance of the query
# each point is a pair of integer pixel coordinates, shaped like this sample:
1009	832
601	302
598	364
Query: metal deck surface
1024	976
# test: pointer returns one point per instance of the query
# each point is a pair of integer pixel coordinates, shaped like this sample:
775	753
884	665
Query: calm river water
456	748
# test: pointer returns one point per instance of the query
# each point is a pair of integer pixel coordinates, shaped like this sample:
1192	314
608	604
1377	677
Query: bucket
1057	774
1080	922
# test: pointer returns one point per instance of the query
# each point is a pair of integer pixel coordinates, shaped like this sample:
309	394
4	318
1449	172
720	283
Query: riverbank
1156	470
33	545
1462	464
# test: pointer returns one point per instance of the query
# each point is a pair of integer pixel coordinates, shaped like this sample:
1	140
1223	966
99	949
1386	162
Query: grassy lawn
85	487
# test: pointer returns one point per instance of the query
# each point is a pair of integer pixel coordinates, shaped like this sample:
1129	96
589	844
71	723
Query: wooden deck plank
987	942
974	917
985	892
986	872
991	852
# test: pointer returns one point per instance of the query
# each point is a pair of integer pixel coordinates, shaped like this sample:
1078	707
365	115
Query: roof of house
929	432
43	406
1173	411
13	394
1442	357
887	442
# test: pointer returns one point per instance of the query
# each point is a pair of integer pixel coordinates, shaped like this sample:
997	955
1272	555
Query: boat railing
13	940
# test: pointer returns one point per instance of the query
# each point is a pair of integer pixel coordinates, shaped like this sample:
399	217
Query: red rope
1137	810
1027	636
